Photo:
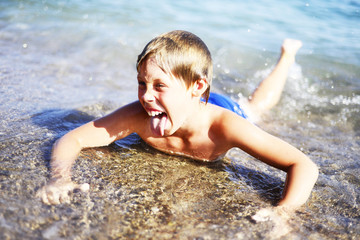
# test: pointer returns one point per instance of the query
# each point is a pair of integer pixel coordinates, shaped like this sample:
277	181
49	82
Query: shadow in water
267	186
56	123
61	121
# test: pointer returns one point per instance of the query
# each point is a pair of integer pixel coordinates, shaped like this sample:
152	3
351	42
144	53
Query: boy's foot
290	47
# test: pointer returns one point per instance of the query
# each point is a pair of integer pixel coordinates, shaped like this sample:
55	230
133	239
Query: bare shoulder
225	118
231	127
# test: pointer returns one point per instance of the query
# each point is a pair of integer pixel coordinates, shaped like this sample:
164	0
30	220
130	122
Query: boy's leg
269	91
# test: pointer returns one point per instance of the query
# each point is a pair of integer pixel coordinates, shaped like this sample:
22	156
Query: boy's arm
100	132
301	172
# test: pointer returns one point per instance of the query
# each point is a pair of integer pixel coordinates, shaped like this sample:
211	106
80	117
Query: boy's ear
199	87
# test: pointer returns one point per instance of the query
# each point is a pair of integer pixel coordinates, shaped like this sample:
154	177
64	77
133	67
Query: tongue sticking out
158	124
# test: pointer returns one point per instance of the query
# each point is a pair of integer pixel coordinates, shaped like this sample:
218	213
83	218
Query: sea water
64	63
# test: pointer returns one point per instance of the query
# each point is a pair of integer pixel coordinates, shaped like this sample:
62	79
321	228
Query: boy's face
167	100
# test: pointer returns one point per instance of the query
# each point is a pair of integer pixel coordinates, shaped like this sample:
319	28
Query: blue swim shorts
226	102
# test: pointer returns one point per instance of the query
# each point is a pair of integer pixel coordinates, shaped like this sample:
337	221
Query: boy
173	116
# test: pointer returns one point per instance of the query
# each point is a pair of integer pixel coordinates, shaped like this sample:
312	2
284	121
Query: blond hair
182	54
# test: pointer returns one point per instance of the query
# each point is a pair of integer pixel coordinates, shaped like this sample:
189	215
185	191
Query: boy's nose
148	96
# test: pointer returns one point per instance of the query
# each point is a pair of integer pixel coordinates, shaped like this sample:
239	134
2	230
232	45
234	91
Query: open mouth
158	122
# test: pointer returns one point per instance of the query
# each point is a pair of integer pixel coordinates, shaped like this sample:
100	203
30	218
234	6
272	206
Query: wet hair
182	54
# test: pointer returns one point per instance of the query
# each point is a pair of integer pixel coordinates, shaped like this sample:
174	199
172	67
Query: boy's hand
57	191
280	217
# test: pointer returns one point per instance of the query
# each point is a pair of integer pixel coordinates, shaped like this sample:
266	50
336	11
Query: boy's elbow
311	170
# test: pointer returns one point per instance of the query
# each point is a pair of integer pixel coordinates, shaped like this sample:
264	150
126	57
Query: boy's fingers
50	195
64	197
42	194
53	196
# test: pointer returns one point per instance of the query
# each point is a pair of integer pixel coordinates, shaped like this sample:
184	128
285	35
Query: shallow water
65	63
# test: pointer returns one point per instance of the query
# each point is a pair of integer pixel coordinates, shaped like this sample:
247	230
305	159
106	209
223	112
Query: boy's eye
159	85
